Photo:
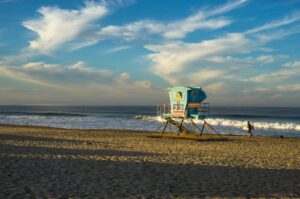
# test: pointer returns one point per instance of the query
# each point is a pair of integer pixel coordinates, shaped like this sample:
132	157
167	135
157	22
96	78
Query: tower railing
161	109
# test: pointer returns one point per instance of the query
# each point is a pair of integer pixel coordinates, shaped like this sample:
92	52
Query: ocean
268	121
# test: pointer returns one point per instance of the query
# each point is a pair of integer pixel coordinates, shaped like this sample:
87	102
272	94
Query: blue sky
127	52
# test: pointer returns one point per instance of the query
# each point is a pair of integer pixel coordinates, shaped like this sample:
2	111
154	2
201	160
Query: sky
128	52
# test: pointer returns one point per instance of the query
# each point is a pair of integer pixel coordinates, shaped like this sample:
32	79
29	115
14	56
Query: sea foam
241	124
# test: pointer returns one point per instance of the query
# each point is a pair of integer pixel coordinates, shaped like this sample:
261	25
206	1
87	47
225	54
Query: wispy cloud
266	58
276	24
80	83
119	48
57	26
171	59
295	64
178	29
289	71
54	75
285	88
17	74
289	87
81	27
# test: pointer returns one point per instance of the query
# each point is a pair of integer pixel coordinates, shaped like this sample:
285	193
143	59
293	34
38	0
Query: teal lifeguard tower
186	104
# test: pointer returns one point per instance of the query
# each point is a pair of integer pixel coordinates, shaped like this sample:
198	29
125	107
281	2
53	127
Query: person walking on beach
250	128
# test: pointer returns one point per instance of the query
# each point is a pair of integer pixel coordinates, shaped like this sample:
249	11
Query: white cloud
221	60
123	77
42	66
281	88
205	75
79	27
277	76
230	5
119	48
216	87
57	26
21	75
125	80
81	67
288	71
266	58
263	89
77	83
289	87
143	84
295	64
171	59
177	29
54	75
276	24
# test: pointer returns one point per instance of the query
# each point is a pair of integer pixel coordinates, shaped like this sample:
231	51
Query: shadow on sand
36	138
77	177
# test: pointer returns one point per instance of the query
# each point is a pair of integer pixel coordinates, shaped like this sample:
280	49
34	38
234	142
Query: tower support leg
203	126
193	125
180	127
165	128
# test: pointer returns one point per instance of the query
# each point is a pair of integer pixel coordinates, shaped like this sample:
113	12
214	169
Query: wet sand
38	162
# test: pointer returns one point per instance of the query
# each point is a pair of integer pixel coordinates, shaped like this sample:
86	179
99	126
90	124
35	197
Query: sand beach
39	162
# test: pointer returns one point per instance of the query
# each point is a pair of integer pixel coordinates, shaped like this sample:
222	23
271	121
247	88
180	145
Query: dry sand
38	162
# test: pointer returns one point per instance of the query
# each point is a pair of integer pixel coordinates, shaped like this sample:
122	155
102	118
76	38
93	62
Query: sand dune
57	163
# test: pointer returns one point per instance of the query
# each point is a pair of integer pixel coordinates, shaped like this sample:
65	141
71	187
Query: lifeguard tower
186	104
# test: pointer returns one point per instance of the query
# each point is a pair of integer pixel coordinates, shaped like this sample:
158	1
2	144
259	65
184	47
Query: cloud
266	58
176	59
81	27
295	64
289	87
42	66
276	24
125	80
205	75
230	5
277	34
282	88
178	29
21	75
289	71
246	61
221	60
57	26
76	84
171	59
54	75
263	89
119	48
216	87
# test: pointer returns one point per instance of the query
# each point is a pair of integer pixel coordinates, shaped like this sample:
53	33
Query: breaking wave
241	124
258	125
